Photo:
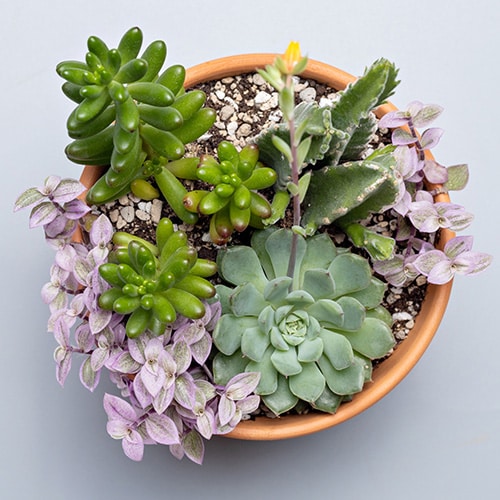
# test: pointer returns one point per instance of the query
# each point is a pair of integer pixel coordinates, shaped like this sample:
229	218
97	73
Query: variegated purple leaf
249	404
118	409
124	363
152	377
28	198
185	391
194	447
141	393
88	377
441	273
101	231
50	185
98	358
458	245
401	137
426	115
426	261
394	119
205	423
190	332
67	190
75	209
62	357
98	320
226	409
162	429
133	445
434	172
430	138
84	338
182	356
164	398
242	385
66	257
43	214
472	262
201	349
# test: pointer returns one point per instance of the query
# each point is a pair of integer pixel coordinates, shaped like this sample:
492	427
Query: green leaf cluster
128	111
154	283
233	201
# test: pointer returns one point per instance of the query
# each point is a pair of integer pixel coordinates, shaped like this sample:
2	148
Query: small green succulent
127	111
233	203
311	335
153	283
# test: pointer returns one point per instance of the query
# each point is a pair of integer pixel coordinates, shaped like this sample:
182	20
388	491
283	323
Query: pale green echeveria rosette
312	337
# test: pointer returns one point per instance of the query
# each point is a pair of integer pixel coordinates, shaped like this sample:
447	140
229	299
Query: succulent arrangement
282	319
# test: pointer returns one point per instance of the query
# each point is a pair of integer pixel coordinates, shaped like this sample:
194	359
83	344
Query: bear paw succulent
311	336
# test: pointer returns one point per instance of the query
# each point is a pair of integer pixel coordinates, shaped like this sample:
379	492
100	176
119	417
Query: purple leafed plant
420	216
172	398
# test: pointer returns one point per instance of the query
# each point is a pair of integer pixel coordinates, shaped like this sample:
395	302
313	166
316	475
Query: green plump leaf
350	273
310	350
277	289
246	300
278	246
309	384
372	295
228	332
320	252
254	343
354	313
343	382
328	402
268	375
319	283
282	400
337	349
226	367
239	265
327	312
374	339
285	362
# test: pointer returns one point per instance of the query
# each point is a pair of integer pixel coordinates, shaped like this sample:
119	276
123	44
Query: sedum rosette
312	337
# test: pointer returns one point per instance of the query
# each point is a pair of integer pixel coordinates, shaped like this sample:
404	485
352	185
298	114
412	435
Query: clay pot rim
389	373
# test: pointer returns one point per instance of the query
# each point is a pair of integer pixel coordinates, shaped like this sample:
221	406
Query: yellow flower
292	56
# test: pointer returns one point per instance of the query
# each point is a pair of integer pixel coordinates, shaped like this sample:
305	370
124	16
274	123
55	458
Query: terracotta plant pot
386	374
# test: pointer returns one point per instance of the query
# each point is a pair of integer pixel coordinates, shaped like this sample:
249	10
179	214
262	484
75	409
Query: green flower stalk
311	336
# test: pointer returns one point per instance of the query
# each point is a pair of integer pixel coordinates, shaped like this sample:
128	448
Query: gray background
436	436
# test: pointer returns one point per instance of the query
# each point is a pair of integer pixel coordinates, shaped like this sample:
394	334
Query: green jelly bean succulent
311	334
127	111
233	203
152	283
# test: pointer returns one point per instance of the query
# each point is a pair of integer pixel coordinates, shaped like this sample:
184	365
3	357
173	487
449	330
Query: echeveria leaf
282	399
309	384
374	339
337	349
